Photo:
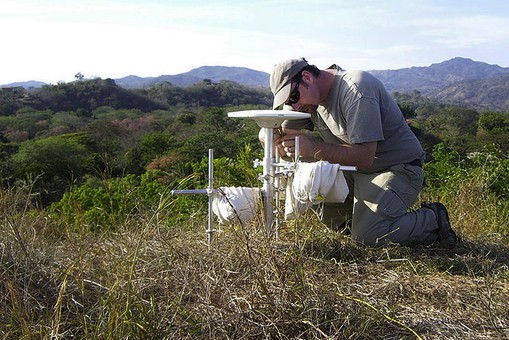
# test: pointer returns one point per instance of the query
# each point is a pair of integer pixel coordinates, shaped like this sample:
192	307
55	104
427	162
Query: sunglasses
294	96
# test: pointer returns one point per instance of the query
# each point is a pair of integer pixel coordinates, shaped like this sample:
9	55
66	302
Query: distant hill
26	84
132	82
424	79
241	75
431	78
487	94
458	80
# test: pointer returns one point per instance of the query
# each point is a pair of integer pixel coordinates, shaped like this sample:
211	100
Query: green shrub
475	188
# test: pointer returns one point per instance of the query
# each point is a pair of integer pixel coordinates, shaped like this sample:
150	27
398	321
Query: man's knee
366	240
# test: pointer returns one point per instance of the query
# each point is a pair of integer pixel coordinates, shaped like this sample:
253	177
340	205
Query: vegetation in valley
93	244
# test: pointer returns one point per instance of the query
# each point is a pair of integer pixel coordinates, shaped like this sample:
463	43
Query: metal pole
277	186
210	189
295	165
190	192
297	150
268	177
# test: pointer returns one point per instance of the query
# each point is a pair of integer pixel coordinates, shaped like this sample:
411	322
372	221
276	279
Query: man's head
281	79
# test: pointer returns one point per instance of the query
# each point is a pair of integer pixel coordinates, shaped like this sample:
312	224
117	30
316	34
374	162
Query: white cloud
470	31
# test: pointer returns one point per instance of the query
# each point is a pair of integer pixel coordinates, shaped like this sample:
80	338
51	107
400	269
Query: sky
53	40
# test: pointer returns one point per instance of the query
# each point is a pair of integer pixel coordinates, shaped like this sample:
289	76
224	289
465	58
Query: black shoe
446	236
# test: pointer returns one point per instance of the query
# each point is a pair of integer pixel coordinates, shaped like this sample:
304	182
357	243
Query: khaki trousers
379	207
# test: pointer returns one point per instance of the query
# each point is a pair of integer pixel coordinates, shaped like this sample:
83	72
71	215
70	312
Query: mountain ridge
457	80
484	94
437	75
421	78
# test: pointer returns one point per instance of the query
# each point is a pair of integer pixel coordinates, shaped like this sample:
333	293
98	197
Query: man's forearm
360	155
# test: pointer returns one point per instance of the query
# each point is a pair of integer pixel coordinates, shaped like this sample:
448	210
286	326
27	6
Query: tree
187	118
154	145
407	110
57	161
494	129
497	122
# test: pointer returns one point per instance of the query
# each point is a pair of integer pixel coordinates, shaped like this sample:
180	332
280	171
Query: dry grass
152	281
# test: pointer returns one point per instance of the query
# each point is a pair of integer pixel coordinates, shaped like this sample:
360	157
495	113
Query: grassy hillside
145	277
94	246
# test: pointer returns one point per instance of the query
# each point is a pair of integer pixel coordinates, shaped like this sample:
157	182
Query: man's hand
361	155
306	143
283	135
